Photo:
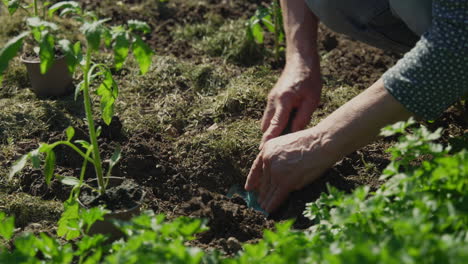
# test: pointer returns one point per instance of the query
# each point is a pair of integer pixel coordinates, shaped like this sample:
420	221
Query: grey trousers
394	25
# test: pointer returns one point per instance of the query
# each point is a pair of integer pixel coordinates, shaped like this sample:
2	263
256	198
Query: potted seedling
96	36
44	60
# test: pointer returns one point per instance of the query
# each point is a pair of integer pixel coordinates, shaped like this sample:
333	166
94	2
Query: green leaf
108	91
257	33
143	54
87	243
115	157
78	89
267	21
7	226
70	133
35	159
36	22
49	166
70	181
137	25
90	216
69	51
46	53
93	32
121	48
9	51
44	147
68	225
19	165
83	143
72	6
12	5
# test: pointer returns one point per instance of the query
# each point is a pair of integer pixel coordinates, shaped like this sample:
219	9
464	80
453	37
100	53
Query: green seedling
40	31
122	39
267	19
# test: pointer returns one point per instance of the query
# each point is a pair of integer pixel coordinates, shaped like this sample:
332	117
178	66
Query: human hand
299	89
286	164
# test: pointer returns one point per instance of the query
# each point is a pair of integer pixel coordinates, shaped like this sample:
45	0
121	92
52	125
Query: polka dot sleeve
434	74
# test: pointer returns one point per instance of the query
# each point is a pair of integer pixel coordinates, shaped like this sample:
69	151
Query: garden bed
189	129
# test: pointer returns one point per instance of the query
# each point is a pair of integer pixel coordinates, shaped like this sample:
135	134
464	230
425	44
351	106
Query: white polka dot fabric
434	74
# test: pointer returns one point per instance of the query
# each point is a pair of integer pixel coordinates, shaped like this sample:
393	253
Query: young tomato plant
79	56
41	33
269	18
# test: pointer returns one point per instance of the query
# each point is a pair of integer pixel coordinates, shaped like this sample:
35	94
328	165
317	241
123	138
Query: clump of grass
227	41
222	152
246	94
173	94
29	209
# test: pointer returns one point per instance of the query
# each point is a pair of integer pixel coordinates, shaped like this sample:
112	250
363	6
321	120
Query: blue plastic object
250	198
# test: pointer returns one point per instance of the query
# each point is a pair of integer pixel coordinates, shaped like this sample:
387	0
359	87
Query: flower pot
106	227
56	82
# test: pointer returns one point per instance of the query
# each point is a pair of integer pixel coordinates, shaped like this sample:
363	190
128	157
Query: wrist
305	60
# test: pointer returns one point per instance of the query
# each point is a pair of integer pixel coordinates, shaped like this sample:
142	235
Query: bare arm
299	86
289	162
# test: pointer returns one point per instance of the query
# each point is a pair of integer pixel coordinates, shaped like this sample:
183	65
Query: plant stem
36	10
92	130
75	149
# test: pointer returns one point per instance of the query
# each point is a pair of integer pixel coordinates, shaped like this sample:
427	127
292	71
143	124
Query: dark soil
119	196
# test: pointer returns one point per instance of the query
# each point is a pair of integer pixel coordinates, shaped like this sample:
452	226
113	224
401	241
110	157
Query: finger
268	197
277	199
278	123
304	114
268	115
255	174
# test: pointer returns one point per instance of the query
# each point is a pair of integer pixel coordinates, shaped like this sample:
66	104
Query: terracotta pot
106	227
56	82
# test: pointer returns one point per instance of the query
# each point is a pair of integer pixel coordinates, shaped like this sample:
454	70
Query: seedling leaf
36	161
19	165
137	25
84	144
70	6
70	55
71	181
49	166
122	45
10	50
12	5
108	91
257	33
143	54
115	158
93	32
46	53
70	133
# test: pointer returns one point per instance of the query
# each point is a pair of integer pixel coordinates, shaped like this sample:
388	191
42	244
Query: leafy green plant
420	215
79	56
267	19
41	31
149	238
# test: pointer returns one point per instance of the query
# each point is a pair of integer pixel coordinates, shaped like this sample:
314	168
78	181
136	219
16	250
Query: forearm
300	26
358	122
